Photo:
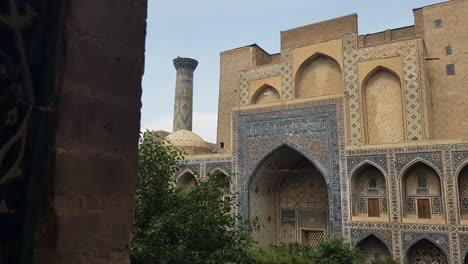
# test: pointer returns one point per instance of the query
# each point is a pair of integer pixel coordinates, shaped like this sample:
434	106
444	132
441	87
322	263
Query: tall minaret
184	93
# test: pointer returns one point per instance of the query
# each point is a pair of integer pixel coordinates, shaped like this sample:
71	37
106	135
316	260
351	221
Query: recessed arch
265	94
416	161
462	187
375	70
422	193
382	101
186	180
373	248
273	192
425	250
369	193
319	75
293	146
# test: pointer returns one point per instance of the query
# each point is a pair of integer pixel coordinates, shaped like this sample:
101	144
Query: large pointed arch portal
288	196
287	167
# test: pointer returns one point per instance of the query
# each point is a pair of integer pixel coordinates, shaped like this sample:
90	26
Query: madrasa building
358	136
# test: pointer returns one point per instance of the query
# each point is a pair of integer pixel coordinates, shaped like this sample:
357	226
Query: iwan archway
289	197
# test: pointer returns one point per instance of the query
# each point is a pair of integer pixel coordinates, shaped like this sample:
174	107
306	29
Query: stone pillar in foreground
184	93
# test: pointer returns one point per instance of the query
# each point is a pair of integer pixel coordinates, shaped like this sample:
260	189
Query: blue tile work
316	130
356	162
447	160
358	235
310	128
464	246
405	160
224	166
460	159
439	239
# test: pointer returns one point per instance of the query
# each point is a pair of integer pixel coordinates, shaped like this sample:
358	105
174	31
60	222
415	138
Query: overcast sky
202	29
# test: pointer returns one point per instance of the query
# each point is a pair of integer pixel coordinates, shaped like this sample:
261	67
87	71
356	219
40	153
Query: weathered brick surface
89	211
318	32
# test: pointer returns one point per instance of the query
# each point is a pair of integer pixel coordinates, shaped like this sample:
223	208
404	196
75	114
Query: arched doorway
289	197
369	194
372	249
426	252
422	194
187	181
463	193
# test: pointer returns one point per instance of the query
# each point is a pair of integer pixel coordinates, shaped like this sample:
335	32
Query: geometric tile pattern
446	159
259	72
358	235
287	83
408	50
425	252
260	132
436	205
350	58
411	239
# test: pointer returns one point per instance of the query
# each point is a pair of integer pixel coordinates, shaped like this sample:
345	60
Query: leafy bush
176	226
386	261
328	251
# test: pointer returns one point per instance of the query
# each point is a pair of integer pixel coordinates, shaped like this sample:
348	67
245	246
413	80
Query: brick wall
89	212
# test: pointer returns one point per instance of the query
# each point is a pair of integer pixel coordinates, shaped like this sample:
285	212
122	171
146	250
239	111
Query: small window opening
450	68
221	145
448	50
422	183
438	23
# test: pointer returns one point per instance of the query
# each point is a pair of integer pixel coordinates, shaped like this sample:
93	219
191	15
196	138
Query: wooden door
373	207
424	208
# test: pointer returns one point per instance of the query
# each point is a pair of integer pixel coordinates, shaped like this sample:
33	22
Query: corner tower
184	93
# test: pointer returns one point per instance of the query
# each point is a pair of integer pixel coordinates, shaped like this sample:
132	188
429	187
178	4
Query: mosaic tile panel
362	205
355	162
436	205
287	80
463	242
359	235
404	160
224	166
439	239
460	159
450	188
296	126
410	205
350	58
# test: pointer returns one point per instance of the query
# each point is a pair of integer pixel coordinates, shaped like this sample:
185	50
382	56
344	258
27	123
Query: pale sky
202	29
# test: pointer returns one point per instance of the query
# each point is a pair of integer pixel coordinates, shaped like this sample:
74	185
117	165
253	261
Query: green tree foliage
386	261
328	251
173	226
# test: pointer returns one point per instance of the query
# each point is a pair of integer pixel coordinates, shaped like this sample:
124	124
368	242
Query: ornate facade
359	136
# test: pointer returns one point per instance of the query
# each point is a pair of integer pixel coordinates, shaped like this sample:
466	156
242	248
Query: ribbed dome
184	138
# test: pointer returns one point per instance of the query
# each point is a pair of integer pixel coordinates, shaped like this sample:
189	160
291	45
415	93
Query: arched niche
422	195
463	193
382	100
372	248
187	181
288	195
369	196
319	75
265	94
424	251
